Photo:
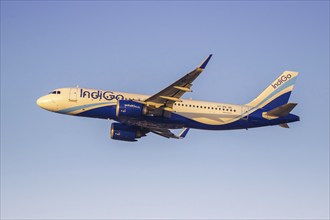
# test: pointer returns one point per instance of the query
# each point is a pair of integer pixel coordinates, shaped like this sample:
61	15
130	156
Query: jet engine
129	108
124	132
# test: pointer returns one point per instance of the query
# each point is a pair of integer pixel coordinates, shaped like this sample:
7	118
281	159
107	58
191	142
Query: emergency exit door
245	109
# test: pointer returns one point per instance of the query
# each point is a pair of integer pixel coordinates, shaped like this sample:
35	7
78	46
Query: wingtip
204	63
183	133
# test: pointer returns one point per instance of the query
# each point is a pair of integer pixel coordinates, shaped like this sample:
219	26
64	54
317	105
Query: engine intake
129	108
124	132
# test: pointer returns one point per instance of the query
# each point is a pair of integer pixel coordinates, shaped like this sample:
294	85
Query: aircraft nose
46	103
39	102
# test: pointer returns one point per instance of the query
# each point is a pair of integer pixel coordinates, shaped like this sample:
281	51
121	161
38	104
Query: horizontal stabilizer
284	125
282	111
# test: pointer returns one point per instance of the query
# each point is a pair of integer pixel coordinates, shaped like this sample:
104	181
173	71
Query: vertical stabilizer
277	93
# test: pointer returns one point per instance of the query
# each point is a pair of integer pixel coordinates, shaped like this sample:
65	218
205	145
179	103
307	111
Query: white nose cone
47	103
39	102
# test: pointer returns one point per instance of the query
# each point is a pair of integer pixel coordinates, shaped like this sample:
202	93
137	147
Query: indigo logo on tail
281	80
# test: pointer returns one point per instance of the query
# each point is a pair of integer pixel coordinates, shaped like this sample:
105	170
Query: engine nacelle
124	132
129	108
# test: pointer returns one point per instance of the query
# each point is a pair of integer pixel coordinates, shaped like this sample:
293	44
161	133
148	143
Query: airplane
137	114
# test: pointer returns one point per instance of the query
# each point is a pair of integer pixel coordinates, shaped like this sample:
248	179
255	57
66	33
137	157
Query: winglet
183	133
204	63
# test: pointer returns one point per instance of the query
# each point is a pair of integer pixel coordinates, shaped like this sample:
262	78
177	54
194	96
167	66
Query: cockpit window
55	92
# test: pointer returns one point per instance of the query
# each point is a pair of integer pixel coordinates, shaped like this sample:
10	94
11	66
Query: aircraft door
244	110
73	94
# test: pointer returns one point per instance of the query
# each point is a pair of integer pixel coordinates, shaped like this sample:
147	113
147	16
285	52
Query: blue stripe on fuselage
105	112
255	119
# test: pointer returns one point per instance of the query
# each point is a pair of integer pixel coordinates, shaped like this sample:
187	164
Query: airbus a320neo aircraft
137	114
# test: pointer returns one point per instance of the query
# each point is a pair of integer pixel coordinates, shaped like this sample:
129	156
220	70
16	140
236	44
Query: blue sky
57	166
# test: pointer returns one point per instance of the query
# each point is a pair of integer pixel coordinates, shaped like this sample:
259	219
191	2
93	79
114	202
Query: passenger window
58	92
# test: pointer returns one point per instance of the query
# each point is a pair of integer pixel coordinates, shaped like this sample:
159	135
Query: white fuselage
74	101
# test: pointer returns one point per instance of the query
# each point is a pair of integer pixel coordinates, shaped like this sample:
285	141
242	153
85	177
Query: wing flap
168	134
284	125
185	89
171	98
165	133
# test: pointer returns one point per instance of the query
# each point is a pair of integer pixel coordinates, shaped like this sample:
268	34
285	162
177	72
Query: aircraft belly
152	123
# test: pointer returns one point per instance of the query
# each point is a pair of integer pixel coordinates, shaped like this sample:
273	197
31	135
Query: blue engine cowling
124	132
129	108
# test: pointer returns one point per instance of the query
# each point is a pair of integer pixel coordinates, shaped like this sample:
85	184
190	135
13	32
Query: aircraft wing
168	134
166	97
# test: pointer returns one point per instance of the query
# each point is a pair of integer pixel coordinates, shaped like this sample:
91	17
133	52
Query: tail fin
277	93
